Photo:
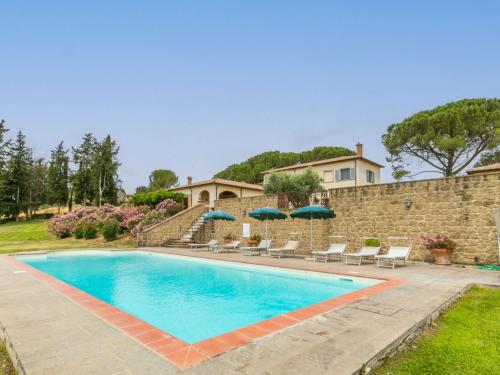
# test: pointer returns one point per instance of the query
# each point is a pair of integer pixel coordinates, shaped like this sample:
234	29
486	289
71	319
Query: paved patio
51	334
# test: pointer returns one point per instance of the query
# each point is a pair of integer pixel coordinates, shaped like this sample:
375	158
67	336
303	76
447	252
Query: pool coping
182	354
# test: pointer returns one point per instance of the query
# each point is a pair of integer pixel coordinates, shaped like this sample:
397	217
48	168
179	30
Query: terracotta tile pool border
182	354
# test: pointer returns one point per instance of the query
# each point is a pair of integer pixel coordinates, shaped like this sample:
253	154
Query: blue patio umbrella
218	215
313	212
267	213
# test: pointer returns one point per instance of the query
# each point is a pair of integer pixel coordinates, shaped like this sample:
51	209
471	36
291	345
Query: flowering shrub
163	210
153	198
439	241
132	216
111	229
90	230
62	226
86	222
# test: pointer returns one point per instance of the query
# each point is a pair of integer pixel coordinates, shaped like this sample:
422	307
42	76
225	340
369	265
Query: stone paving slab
50	334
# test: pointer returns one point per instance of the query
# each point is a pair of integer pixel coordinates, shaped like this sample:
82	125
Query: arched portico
227	194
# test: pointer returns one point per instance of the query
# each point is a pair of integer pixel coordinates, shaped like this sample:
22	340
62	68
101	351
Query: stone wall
459	207
172	228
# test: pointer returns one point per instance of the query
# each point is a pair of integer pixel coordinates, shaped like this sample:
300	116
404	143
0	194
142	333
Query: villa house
344	171
208	191
492	168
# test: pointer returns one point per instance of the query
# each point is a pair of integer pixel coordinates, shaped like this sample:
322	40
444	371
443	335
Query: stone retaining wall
172	228
460	207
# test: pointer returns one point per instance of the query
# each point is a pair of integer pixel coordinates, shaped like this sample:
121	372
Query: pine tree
84	157
18	173
4	151
105	172
57	177
37	185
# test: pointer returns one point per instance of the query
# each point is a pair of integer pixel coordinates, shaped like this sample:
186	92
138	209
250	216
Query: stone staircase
189	236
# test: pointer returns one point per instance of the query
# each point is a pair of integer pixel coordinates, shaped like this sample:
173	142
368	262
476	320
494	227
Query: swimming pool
193	299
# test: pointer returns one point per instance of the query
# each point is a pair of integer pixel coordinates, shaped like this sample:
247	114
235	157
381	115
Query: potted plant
441	247
254	240
229	237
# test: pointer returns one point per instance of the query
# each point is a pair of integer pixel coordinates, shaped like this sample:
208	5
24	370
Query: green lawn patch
33	235
466	341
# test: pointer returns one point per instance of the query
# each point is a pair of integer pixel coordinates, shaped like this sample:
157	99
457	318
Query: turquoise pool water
192	299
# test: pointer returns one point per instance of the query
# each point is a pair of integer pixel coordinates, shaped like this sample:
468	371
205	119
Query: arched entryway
227	194
205	197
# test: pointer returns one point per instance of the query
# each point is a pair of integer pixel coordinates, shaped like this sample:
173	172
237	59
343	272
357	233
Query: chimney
359	149
190	180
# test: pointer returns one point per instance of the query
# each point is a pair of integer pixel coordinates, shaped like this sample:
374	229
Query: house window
345	174
370	176
328	176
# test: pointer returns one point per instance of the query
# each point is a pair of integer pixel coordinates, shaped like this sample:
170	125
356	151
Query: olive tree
448	138
298	187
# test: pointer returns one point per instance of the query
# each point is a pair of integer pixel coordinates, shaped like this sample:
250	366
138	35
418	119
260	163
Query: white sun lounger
335	250
227	248
288	249
394	253
256	250
365	253
201	246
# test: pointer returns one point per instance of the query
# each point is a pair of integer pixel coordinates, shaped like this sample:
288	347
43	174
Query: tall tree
447	138
84	157
57	177
162	179
18	174
37	185
105	172
250	170
4	152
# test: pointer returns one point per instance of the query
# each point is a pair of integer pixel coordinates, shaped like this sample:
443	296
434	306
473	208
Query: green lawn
33	235
466	341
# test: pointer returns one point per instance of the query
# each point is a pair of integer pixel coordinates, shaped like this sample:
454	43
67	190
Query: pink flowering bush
163	210
62	226
132	216
86	222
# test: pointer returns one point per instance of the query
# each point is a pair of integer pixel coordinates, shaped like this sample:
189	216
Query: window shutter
353	173
368	176
337	175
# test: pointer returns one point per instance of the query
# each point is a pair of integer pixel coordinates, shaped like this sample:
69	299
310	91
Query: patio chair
288	249
256	250
202	246
334	250
227	248
365	253
395	253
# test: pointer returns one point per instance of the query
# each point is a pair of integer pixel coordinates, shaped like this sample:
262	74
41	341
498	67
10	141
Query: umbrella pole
311	227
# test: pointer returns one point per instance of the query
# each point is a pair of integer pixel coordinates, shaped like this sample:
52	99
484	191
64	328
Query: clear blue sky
196	85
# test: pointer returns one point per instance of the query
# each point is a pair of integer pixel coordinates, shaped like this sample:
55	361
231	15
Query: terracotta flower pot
442	257
252	243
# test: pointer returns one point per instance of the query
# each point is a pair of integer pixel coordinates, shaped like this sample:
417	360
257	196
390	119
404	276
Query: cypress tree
105	172
84	157
18	173
57	177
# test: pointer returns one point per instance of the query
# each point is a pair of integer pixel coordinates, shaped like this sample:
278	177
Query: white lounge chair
365	253
201	246
288	249
227	248
256	250
334	250
394	254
